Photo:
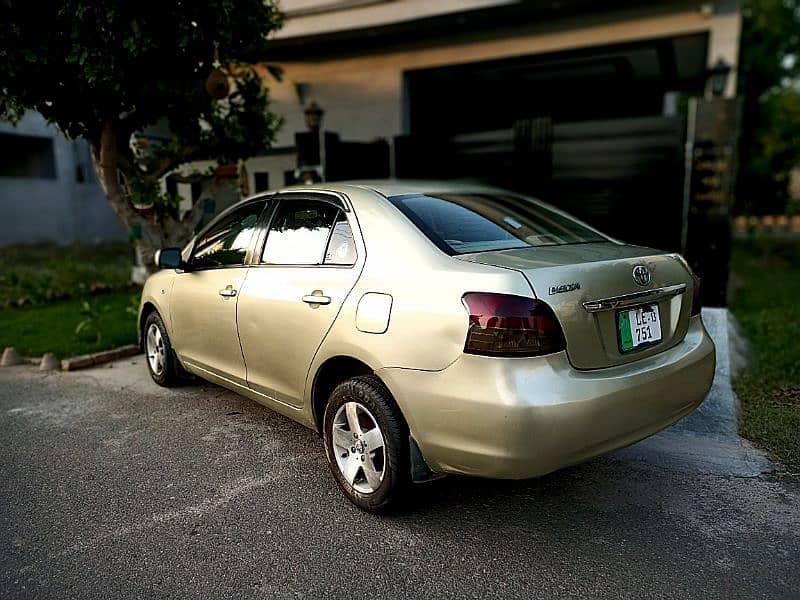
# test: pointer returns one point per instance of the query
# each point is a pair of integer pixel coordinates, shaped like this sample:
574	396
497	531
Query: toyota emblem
641	275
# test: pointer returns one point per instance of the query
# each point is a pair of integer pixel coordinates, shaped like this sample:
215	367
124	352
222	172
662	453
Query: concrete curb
49	362
99	358
10	357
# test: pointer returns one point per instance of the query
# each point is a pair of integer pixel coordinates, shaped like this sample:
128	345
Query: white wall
725	28
275	165
309	17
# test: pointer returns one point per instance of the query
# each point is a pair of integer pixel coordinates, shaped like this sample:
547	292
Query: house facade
48	188
387	68
585	104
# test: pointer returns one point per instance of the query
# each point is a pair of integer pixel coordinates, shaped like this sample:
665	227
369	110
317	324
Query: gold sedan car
430	328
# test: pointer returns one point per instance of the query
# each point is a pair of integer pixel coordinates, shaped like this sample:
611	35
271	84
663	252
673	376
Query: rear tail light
696	301
506	325
697	304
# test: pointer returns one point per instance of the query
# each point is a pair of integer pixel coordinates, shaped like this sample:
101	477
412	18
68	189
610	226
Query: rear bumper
518	418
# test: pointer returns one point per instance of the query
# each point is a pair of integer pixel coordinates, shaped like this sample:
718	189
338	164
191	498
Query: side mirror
169	258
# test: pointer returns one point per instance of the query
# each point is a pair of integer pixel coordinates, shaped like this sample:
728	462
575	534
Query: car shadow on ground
704	443
659	482
110	472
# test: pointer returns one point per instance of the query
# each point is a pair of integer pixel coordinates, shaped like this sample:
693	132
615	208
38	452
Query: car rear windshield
466	223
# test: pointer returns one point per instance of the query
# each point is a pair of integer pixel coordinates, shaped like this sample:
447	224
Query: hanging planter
227	171
217	84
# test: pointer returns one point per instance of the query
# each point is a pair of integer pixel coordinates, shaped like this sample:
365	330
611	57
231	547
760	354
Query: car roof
397	187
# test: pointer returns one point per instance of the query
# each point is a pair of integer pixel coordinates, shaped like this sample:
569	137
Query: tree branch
105	157
194	215
167	164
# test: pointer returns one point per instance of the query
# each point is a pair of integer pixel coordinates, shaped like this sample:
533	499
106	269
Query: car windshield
466	223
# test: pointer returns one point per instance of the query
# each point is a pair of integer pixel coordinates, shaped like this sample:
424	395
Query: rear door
310	261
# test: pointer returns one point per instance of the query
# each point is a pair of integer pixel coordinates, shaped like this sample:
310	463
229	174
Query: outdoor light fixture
313	114
718	77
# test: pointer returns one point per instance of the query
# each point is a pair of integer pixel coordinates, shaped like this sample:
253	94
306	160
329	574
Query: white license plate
638	326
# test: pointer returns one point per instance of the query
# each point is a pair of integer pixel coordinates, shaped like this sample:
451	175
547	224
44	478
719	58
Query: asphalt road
113	487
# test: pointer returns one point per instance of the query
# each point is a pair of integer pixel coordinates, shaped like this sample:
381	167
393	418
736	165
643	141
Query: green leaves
769	68
770	34
86	64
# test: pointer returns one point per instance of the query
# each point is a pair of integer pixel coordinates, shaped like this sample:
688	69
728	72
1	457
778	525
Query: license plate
638	326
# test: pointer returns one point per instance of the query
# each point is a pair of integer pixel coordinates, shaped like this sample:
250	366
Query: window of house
27	156
227	241
260	181
309	232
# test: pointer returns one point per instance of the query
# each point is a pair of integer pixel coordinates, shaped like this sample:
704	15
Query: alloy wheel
359	447
156	353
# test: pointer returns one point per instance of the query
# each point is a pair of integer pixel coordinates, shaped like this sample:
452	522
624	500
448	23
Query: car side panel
427	322
158	292
279	332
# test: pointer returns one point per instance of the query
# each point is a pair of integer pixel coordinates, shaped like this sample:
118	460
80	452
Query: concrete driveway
111	486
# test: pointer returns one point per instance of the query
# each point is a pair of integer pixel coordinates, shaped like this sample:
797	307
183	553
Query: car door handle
228	292
316	299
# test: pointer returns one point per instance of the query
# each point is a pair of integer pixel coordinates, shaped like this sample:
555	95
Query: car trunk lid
587	285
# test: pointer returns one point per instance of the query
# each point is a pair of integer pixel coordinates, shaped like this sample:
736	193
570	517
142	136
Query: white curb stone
49	362
11	357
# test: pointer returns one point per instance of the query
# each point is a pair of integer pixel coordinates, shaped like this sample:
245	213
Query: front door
204	297
293	292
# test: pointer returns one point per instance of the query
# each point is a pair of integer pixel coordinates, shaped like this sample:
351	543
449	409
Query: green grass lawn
43	273
52	328
60	312
765	299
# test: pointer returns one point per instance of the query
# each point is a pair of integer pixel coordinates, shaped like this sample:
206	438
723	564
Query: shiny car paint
398	310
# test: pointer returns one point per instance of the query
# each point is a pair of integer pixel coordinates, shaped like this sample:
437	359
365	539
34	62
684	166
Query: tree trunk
153	230
151	238
105	155
150	232
162	231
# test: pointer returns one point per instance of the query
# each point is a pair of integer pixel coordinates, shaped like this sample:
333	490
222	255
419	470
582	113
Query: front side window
301	234
465	223
226	242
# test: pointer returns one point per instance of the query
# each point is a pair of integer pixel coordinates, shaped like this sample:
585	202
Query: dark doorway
599	132
261	181
623	176
609	82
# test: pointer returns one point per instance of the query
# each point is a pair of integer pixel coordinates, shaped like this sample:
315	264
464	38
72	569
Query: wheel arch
331	373
147	309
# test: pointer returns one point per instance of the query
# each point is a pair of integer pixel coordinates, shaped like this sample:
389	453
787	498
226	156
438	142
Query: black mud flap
420	471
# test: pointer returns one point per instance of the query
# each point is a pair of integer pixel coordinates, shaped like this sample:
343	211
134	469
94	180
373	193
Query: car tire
372	469
161	361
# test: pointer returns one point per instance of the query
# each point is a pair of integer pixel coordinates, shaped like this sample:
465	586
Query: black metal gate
624	176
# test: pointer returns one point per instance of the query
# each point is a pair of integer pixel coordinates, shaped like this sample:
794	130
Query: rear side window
225	243
309	232
465	223
341	248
